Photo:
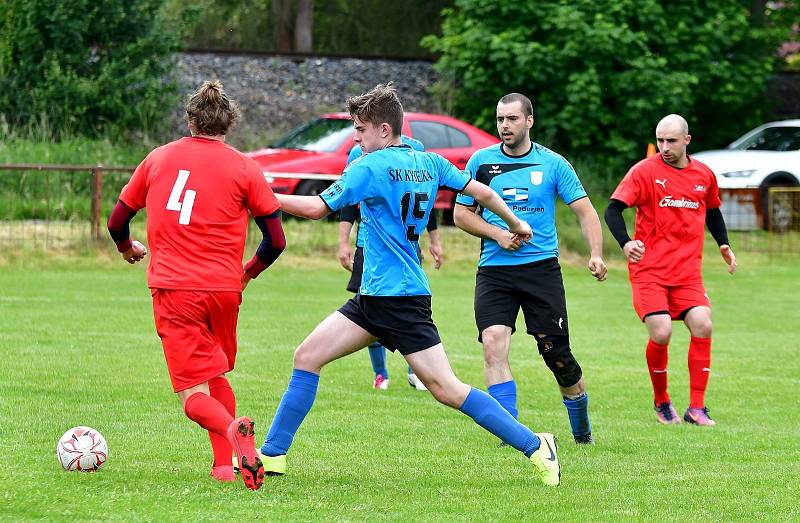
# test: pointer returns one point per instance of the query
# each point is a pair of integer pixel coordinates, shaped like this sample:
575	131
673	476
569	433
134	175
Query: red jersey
671	208
197	193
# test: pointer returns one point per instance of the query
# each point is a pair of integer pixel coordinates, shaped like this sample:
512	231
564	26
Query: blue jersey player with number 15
396	187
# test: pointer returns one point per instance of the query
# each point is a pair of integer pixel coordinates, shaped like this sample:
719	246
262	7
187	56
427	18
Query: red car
317	150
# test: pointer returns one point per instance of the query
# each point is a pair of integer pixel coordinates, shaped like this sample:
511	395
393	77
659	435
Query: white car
767	156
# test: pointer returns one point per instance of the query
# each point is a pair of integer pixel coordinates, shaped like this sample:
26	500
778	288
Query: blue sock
578	411
410	370
377	355
506	395
493	417
292	410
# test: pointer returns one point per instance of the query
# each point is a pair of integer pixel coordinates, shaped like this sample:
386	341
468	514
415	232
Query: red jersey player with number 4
197	192
674	196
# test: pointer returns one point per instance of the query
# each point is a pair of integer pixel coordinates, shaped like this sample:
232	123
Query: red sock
657	365
208	413
221	391
699	370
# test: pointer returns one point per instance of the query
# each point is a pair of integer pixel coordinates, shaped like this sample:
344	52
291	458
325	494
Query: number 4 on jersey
175	204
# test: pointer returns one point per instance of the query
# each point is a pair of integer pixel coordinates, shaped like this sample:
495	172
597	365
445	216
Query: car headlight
739	174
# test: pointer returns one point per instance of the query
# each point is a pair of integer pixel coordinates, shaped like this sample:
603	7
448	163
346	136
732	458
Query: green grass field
79	348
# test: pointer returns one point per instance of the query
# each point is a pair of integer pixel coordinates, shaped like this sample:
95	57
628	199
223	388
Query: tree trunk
304	26
282	15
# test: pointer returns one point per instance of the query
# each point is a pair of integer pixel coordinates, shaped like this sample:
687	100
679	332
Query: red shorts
198	333
650	297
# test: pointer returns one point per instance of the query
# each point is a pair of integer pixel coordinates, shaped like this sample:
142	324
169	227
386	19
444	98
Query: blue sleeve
472	170
414	143
451	177
355	152
568	185
353	187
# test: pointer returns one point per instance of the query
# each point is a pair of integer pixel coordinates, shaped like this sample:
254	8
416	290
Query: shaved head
672	137
673	123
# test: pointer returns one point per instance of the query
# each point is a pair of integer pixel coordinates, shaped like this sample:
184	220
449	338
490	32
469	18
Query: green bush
87	67
601	74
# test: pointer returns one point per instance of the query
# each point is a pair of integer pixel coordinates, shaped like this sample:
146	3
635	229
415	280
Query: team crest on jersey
700	188
536	177
515	194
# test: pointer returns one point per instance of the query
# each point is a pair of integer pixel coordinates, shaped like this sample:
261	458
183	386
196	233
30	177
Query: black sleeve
716	226
348	214
432	221
616	223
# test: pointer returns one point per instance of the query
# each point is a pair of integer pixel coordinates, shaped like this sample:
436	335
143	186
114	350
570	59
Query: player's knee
305	359
495	343
661	335
558	357
703	330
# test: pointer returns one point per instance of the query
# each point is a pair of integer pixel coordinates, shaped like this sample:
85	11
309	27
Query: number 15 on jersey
175	204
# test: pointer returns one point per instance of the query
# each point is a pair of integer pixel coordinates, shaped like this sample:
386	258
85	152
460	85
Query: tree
601	74
87	66
294	24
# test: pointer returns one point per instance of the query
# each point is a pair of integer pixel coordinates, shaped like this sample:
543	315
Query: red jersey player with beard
198	192
674	196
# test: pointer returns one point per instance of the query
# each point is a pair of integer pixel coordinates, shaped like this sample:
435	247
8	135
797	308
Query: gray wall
277	93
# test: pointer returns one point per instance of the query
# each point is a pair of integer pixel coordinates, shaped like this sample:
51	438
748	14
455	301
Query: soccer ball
82	448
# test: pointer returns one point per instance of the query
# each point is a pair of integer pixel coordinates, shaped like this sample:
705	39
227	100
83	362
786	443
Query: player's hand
729	257
522	231
634	251
346	257
598	268
506	240
437	252
245	280
136	253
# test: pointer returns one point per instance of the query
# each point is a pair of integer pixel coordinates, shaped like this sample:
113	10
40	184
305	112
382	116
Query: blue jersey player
396	187
354	262
514	275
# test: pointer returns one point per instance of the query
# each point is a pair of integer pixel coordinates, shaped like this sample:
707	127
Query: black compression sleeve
348	214
716	226
432	221
616	223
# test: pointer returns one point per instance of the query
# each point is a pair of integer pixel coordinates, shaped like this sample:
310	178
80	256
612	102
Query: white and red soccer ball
82	448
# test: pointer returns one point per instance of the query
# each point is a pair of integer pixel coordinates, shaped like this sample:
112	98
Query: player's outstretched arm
311	207
593	234
485	196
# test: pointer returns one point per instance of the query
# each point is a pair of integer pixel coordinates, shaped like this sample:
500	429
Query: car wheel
311	187
779	217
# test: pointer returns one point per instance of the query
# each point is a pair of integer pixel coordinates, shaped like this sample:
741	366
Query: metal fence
62	206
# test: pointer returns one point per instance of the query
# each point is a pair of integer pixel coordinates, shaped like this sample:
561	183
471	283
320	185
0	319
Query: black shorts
401	323
358	269
537	288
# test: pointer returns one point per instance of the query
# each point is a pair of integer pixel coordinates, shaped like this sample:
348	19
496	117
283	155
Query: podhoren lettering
667	201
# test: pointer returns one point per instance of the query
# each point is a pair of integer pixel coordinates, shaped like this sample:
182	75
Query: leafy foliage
601	74
88	67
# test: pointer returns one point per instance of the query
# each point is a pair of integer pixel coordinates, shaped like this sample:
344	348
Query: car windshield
771	139
321	134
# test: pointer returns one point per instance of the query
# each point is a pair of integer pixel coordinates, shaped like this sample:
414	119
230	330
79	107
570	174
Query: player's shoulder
545	154
647	166
413	143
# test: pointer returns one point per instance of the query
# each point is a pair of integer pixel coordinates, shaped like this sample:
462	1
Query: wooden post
97	197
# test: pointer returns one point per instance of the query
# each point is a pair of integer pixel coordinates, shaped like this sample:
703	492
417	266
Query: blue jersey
356	152
396	187
529	185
